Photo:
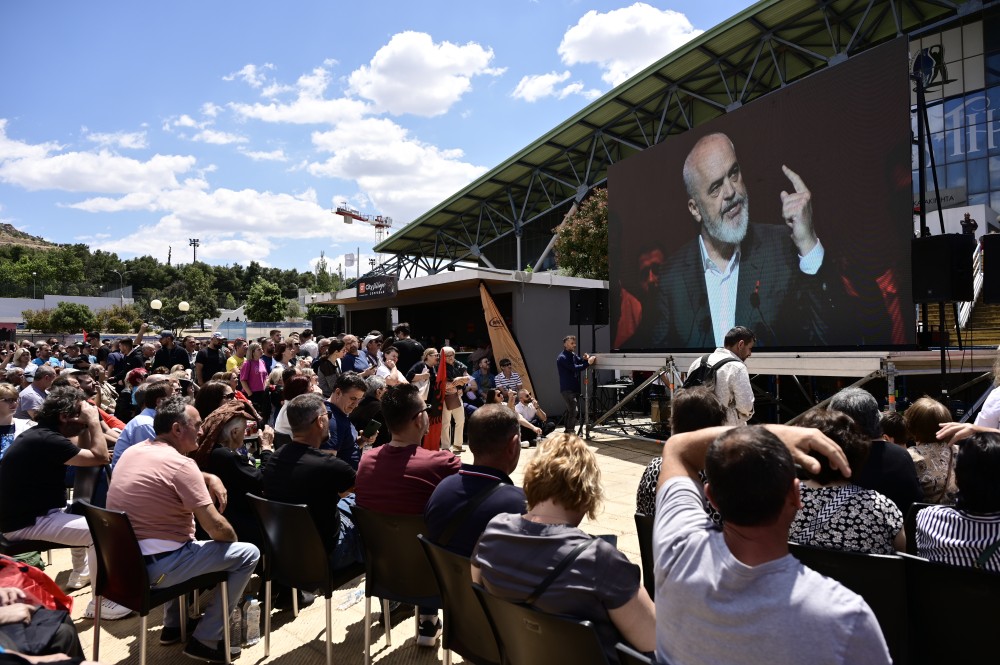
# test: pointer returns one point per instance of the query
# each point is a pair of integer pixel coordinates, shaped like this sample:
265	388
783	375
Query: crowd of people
339	423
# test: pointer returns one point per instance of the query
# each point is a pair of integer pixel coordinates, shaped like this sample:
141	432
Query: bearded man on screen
767	277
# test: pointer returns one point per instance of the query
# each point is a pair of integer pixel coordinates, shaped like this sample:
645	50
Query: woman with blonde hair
517	553
935	460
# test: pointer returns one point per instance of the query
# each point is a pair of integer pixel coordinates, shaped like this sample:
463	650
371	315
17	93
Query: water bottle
235	624
251	621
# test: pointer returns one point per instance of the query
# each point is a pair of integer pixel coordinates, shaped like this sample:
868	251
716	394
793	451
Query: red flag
435	398
84	335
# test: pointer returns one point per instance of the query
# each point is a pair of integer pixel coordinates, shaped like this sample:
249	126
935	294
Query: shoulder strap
460	517
987	554
715	368
557	571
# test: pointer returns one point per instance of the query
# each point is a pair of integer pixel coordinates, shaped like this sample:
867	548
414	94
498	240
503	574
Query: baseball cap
218	335
370	338
166	333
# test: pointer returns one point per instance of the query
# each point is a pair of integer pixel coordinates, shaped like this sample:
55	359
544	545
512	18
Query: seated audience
348	392
736	595
163	492
483	486
516	553
10	427
836	513
296	385
933	459
962	535
889	470
33	396
894	428
328	367
211	396
30	629
156	389
370	409
388	369
528	408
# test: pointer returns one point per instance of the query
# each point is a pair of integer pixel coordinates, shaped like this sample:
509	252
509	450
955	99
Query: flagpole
358	263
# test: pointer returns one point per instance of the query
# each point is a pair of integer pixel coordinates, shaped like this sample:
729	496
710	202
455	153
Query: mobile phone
371	429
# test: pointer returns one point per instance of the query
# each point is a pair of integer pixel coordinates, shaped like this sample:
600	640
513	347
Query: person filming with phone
348	392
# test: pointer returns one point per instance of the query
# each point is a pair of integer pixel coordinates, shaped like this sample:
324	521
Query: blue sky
133	126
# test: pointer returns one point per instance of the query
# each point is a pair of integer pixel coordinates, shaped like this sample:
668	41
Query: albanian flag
435	399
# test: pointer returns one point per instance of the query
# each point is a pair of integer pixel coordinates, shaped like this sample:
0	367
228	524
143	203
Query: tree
229	302
582	238
293	310
324	283
118	319
37	319
265	302
71	317
313	310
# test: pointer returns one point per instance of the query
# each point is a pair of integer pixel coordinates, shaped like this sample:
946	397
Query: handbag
38	588
452	401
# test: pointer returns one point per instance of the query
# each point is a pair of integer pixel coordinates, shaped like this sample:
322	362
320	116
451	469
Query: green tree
314	310
71	317
229	302
582	238
324	282
118	319
293	310
265	302
37	319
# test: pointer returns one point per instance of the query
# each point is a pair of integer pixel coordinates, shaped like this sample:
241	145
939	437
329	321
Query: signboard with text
379	286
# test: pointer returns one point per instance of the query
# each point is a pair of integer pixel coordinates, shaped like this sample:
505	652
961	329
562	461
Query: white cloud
11	149
309	107
185	121
624	41
127	140
210	109
270	156
402	176
412	74
216	137
251	74
534	87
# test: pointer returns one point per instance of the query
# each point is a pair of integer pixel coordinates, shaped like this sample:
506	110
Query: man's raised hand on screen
796	208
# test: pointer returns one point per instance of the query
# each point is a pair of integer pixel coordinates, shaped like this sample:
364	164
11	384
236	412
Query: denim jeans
572	400
199	557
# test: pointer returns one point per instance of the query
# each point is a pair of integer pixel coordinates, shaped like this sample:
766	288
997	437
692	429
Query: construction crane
380	222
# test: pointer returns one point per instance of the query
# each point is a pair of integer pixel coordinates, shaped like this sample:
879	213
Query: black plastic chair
878	578
527	636
467	630
122	577
954	611
644	530
629	656
395	567
910	526
294	555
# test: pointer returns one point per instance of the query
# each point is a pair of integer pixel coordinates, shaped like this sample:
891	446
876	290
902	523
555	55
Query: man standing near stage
735	271
731	381
570	365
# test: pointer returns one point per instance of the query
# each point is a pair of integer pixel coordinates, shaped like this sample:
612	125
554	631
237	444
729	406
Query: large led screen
790	216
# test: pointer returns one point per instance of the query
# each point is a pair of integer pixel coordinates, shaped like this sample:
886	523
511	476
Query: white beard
731	233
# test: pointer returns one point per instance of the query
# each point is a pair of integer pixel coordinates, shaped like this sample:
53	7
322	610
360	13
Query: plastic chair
910	526
878	578
295	556
395	567
629	656
954	612
530	637
122	577
467	631
644	530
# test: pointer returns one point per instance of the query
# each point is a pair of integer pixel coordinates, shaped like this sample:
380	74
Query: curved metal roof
767	46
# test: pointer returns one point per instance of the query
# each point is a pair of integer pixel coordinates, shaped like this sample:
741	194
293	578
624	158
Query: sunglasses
229	396
10	400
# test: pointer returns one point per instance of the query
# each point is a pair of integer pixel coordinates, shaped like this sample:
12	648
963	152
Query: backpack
704	374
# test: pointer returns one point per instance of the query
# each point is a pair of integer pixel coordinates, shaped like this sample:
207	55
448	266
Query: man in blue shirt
140	428
348	391
570	365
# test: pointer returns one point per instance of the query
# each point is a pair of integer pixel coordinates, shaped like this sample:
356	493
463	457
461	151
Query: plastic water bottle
235	624
251	619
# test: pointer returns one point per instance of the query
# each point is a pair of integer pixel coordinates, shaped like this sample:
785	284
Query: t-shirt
526	411
848	518
508	383
255	374
712	608
102	354
296	473
410	352
159	489
400	479
948	535
33	477
30	400
516	555
234	363
454	493
6	438
212	361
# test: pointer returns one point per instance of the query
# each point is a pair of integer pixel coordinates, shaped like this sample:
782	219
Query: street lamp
172	324
33	284
121	285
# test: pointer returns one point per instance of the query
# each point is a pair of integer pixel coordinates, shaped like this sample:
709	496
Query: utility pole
194	243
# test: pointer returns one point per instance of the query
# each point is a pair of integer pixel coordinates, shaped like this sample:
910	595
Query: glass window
993	69
978	199
954	145
972	72
954	113
995	201
972	39
955	175
995	175
976	141
979	176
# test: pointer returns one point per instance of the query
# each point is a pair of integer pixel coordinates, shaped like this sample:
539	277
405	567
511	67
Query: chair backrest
960	608
121	572
879	579
530	637
644	529
467	631
294	553
396	567
629	656
910	526
86	482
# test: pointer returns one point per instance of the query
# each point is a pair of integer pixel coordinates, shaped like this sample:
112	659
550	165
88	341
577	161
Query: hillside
11	236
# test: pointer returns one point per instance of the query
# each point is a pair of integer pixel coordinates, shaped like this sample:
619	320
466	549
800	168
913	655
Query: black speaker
941	268
588	307
991	268
326	326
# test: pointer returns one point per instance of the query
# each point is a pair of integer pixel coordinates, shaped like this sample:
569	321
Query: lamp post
170	323
33	284
121	285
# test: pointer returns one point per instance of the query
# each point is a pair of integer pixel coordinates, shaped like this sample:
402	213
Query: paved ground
302	640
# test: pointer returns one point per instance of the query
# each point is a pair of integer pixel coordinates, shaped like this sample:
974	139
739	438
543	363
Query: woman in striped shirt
963	535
